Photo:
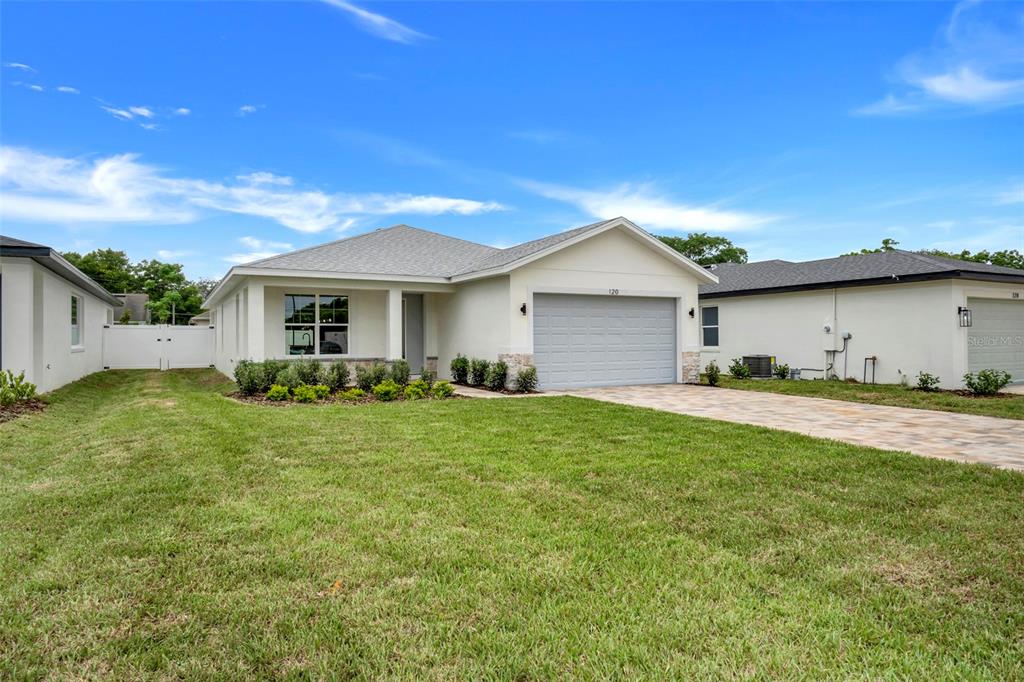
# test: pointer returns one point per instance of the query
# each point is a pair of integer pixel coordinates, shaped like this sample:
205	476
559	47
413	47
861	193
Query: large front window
315	324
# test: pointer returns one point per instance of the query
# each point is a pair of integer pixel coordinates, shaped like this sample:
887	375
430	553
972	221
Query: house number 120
613	292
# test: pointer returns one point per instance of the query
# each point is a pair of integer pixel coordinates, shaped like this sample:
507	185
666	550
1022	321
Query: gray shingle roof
11	241
844	270
54	262
410	251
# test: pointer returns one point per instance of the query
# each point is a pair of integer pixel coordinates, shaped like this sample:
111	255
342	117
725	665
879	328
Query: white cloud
122	114
264	178
539	136
378	24
20	67
182	111
68	89
144	112
259	249
38	187
166	255
37	88
649	209
978	64
247	109
150	126
1013	195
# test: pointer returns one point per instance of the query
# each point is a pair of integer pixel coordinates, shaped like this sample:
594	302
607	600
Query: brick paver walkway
944	435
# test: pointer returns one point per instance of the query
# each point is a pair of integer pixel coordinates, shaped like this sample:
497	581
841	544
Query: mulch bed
18	409
331	400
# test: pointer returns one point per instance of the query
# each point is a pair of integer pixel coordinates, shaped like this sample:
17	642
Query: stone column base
431	364
515	362
690	363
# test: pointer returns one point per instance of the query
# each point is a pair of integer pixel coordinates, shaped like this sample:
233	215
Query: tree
1009	258
888	244
704	249
110	268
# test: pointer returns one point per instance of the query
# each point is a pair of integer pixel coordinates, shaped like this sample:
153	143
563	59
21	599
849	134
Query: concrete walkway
943	435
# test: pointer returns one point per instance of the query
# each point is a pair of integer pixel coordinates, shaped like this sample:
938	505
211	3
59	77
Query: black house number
613	292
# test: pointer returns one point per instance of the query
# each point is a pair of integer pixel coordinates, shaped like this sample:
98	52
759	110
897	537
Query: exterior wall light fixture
965	316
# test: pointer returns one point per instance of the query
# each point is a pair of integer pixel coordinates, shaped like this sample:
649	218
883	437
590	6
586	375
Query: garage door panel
996	339
603	340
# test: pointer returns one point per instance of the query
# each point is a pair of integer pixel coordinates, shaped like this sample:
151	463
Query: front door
412	331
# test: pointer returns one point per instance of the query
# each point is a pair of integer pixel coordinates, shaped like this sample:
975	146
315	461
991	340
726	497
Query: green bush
323	391
417	390
781	371
387	390
352	394
526	380
337	375
738	370
14	388
304	393
460	369
712	373
478	371
310	371
368	377
399	372
289	377
428	376
442	389
271	368
249	376
278	392
987	382
927	382
497	376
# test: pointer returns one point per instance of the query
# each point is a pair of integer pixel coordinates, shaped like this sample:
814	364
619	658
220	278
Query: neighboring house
909	311
599	305
201	319
52	315
135	304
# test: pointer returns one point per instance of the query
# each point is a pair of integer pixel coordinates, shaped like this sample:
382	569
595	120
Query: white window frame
716	327
76	317
316	324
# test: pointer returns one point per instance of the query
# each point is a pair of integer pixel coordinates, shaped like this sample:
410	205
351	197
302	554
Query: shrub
478	371
738	370
14	388
460	369
416	390
712	373
304	394
250	377
337	375
781	371
387	390
399	372
289	377
368	377
278	392
322	391
310	371
526	380
987	382
497	376
271	368
352	394
927	382
428	376
442	389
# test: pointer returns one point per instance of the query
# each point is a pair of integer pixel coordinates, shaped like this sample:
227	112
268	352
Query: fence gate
156	346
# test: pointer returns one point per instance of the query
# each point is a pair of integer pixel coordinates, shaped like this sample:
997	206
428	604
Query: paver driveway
945	435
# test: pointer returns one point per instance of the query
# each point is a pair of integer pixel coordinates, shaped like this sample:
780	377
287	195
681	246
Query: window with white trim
709	326
315	324
77	313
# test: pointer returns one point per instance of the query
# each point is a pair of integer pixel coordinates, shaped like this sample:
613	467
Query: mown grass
153	528
1007	406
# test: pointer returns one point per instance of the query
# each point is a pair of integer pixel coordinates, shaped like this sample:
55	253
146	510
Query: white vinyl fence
157	346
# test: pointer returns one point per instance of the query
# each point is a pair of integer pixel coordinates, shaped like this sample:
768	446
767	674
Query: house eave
55	263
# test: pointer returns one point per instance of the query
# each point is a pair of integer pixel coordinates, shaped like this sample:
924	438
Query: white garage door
996	338
603	340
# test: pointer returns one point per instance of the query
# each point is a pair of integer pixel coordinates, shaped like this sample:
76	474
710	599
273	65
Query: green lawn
153	528
1006	405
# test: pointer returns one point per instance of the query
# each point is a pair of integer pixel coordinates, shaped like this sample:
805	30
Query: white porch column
254	332
393	318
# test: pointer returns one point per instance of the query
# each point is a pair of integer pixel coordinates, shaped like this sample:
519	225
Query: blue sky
210	133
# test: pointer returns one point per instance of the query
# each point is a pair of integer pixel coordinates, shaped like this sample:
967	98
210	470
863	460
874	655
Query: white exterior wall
910	327
473	321
613	260
37	326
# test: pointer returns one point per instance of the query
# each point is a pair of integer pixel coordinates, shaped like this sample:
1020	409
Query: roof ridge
441	234
316	246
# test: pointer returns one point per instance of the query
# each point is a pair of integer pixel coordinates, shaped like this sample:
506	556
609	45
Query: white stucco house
52	315
602	304
901	313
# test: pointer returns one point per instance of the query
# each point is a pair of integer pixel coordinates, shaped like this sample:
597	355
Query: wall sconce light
522	309
965	316
691	312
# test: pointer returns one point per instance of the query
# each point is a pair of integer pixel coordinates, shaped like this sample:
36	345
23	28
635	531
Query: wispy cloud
540	136
258	249
649	208
36	88
391	149
123	114
1012	195
166	254
144	112
247	109
42	188
68	89
20	67
977	64
378	24
265	178
182	111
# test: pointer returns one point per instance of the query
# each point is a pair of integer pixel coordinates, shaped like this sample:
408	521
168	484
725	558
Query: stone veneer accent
515	362
431	365
690	362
